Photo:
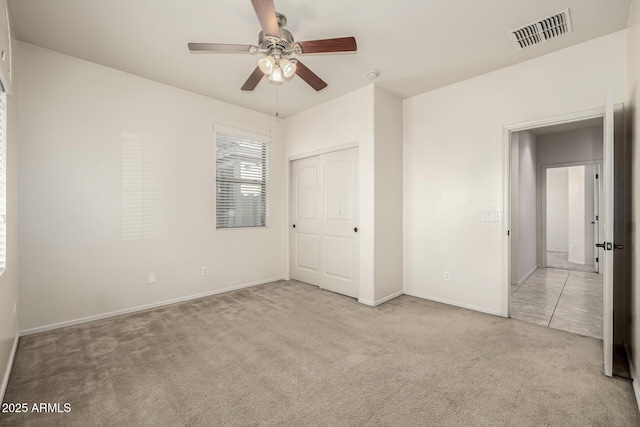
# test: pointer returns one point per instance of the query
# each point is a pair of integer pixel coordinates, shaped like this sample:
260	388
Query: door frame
611	111
507	131
288	252
543	202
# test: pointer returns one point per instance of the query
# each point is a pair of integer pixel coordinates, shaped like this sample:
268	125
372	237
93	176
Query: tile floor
561	299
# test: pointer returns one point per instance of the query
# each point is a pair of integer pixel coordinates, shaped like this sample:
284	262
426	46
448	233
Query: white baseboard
526	276
576	262
558	250
455	303
380	301
7	370
142	307
634	379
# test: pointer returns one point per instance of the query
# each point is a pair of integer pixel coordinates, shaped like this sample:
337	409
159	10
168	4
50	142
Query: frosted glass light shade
276	75
266	64
288	67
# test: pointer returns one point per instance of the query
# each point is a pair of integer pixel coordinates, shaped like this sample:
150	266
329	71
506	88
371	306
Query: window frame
4	139
264	183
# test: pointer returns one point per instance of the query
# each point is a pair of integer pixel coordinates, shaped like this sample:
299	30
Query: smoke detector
542	30
372	75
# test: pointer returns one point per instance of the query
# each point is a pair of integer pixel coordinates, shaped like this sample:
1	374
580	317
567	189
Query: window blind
3	180
241	181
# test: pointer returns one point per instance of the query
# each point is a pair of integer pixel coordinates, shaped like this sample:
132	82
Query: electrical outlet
573	247
204	271
15	309
447	275
152	278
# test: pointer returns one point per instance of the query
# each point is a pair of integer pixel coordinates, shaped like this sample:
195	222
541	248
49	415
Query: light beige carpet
289	354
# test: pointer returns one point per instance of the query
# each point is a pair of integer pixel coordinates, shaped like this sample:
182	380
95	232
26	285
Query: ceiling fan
277	46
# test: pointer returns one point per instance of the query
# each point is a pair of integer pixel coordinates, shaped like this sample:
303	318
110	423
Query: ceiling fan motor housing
285	43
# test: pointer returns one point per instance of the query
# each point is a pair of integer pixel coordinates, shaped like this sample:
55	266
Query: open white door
608	182
596	217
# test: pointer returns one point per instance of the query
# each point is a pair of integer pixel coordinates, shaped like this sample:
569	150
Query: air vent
541	31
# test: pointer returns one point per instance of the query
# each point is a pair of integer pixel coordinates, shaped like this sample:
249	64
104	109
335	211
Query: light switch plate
489	216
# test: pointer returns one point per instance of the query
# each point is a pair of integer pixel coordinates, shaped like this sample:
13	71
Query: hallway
558	259
561	299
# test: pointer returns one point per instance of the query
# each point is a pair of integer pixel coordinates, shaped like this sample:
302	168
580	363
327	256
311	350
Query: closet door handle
294	226
355	229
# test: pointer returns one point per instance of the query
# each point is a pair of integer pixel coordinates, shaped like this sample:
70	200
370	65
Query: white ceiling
416	45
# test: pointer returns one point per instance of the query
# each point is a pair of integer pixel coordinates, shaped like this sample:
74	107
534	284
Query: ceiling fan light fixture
276	75
288	68
275	45
267	64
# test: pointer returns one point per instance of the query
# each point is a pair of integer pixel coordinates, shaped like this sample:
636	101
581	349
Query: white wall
77	258
633	116
388	195
454	164
558	209
9	279
344	120
589	214
572	146
514	204
576	214
524	255
527	239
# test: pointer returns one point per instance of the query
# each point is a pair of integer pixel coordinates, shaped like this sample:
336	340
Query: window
3	180
241	179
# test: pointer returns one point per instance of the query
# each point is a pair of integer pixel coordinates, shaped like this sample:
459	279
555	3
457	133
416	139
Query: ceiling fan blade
340	44
266	12
253	80
221	48
309	76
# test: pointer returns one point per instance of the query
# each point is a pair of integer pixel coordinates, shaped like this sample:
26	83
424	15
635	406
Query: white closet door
305	214
339	207
324	241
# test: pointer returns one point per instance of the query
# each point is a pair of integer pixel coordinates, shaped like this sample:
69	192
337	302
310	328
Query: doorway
613	265
324	213
571	216
553	280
